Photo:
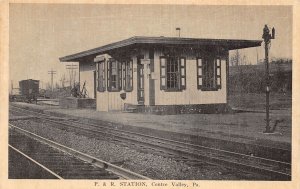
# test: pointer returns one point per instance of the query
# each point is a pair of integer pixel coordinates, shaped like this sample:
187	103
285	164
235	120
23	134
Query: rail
124	173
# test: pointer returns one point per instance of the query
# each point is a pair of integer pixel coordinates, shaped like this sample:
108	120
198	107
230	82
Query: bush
251	78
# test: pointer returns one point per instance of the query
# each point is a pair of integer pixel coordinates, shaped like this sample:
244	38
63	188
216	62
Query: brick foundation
180	109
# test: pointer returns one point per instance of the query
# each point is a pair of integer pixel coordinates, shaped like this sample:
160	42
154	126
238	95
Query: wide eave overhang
229	44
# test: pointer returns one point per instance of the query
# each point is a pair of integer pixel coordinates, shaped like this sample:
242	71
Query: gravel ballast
147	164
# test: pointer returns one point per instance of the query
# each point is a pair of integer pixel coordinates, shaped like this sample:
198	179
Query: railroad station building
159	74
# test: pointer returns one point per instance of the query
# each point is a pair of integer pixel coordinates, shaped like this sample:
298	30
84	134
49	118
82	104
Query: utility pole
52	73
12	87
71	69
267	39
178	29
256	56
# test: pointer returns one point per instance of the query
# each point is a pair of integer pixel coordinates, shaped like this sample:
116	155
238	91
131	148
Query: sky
41	33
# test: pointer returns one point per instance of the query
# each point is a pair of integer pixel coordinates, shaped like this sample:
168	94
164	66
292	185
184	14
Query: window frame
118	75
179	74
127	71
216	68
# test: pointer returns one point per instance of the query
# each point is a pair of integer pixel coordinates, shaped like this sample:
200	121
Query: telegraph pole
52	73
71	69
267	39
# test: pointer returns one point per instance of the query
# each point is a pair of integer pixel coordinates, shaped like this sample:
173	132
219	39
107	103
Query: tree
280	80
57	85
235	59
48	86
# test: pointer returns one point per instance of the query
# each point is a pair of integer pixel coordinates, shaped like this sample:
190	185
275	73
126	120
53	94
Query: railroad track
262	149
63	162
189	153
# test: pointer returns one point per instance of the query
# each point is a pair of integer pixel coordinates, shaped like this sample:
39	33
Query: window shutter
218	73
182	73
104	74
108	75
163	64
124	75
101	76
119	75
130	75
98	76
199	73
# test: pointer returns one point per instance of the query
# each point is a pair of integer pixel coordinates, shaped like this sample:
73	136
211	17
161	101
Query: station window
208	74
101	76
172	73
114	76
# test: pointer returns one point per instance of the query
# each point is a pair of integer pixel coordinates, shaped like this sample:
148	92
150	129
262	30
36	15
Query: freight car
29	89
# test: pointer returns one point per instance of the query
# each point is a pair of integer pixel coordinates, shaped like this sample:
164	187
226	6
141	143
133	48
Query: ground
242	126
230	130
257	101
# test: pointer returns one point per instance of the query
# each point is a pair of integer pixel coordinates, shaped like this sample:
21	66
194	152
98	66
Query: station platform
242	127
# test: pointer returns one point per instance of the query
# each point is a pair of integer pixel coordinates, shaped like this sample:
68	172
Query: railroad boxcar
29	89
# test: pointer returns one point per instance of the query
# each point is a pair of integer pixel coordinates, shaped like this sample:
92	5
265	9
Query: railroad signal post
267	39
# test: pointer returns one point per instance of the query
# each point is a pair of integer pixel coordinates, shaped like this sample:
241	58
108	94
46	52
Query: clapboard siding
191	95
110	101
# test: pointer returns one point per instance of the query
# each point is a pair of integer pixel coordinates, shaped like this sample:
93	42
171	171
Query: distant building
159	74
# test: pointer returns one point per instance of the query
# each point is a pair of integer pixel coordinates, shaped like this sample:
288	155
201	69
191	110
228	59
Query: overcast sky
41	33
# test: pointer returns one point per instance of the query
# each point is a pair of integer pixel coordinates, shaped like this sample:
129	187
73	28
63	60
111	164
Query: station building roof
229	44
